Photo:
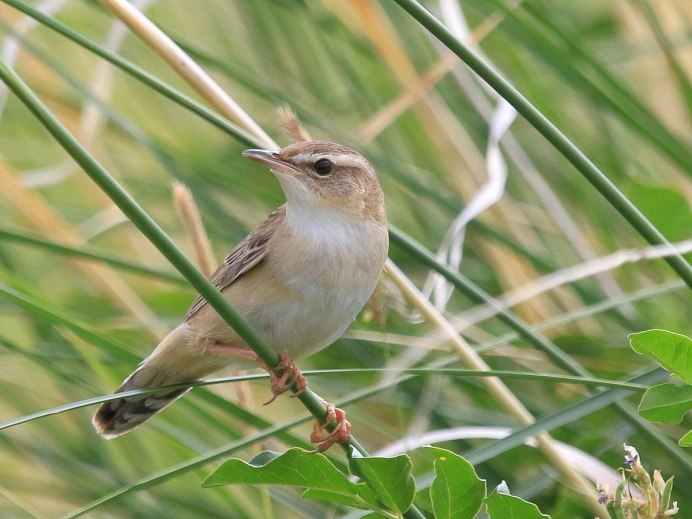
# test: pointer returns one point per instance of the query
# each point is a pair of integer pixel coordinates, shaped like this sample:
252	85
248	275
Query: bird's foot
284	376
324	439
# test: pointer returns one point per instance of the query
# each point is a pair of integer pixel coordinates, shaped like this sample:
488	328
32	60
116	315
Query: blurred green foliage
70	330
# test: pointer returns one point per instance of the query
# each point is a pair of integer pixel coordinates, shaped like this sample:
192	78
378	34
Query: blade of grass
423	372
33	240
108	398
552	134
52	316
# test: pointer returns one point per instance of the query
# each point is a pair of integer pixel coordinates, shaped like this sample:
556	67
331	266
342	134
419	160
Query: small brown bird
299	279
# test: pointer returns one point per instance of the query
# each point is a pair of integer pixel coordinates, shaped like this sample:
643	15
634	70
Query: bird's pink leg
284	376
231	350
341	433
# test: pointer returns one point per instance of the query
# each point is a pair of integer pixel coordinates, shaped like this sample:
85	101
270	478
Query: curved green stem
34	240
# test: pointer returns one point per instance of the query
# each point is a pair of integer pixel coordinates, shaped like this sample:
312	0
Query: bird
299	279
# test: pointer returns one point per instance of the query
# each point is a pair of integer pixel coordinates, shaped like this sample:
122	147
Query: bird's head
318	176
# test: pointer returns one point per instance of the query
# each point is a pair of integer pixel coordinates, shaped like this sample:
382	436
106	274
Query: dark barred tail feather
173	362
119	416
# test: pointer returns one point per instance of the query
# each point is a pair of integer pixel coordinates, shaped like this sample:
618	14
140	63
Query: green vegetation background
614	76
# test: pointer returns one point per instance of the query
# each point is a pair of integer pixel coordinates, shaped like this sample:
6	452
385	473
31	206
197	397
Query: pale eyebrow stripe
303	157
341	159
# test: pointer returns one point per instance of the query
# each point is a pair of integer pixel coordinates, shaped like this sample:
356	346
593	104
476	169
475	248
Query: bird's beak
271	159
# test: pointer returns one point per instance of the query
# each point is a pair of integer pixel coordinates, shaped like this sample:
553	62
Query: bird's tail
173	362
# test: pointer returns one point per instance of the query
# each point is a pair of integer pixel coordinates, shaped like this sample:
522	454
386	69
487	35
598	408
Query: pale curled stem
187	68
495	386
561	219
496	115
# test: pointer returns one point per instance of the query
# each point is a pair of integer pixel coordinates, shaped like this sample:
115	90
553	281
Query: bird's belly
304	321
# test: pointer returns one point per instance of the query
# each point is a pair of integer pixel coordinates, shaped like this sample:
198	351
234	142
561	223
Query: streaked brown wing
246	255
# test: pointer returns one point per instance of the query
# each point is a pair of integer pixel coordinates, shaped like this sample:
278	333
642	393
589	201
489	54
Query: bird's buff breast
324	283
308	289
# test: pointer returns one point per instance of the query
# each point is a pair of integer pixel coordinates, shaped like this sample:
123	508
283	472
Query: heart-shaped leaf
456	492
505	506
294	467
390	479
671	350
666	403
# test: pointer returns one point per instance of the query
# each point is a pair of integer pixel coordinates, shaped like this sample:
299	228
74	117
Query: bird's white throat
324	227
319	225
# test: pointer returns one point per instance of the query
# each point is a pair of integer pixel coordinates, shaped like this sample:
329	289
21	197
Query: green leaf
664	499
686	441
390	479
456	492
505	506
295	467
666	208
672	350
666	403
366	498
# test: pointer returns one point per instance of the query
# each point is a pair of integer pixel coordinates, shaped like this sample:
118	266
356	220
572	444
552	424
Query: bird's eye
323	167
